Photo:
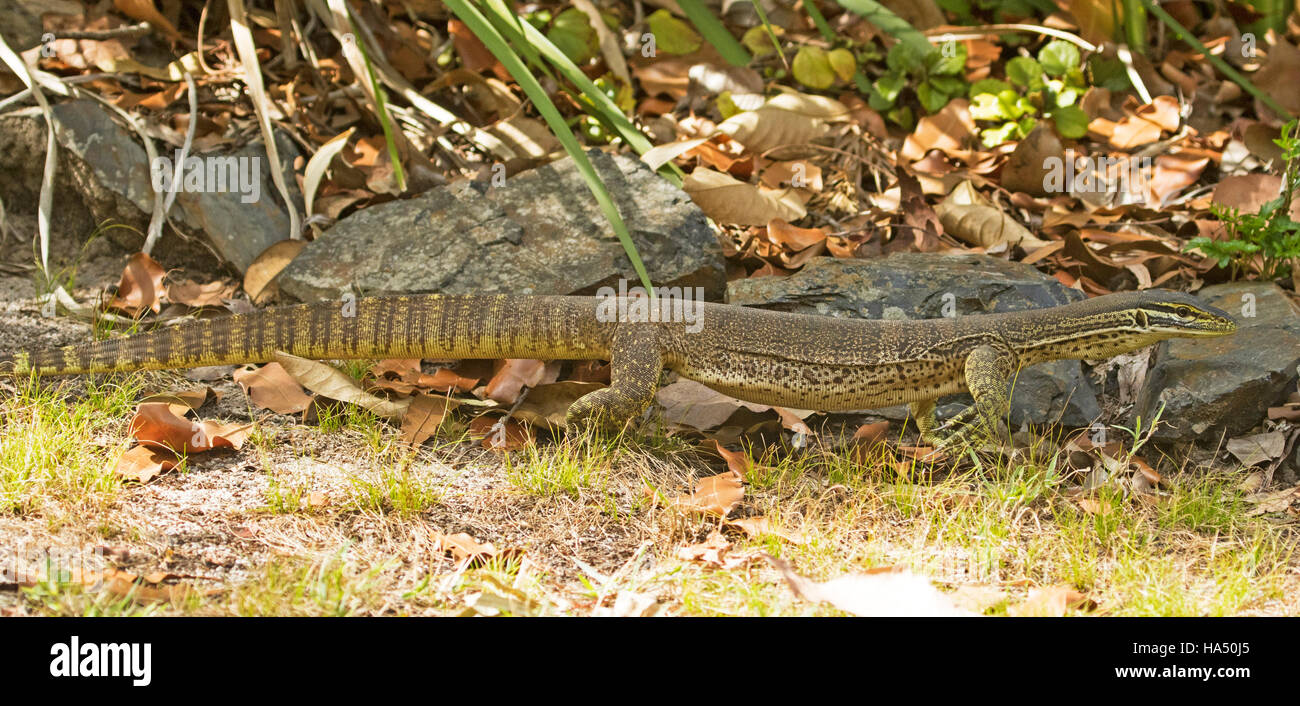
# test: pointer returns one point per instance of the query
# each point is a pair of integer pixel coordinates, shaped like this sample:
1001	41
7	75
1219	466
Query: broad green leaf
842	63
1014	105
902	117
756	40
988	85
1071	121
671	34
932	99
905	57
986	106
994	136
572	33
812	68
1058	57
889	86
1108	73
948	59
952	85
1025	72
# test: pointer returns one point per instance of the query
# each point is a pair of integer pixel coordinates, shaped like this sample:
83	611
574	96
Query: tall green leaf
466	12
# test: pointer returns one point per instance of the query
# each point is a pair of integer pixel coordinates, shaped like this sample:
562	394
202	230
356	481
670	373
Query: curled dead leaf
272	387
728	200
141	286
265	267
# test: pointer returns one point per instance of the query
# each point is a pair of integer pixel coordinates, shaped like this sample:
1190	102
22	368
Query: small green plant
1049	86
935	72
1267	240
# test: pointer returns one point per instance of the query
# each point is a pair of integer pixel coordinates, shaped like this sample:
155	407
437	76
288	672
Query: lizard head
1167	314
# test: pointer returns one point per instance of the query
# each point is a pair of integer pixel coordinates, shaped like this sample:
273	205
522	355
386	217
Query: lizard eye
1183	312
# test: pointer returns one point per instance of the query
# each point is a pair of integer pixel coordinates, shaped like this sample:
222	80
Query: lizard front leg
636	360
989	370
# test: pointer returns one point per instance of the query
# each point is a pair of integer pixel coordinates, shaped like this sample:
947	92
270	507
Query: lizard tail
422	326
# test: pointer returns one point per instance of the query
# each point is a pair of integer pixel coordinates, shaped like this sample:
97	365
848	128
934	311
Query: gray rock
916	286
539	233
104	176
1214	386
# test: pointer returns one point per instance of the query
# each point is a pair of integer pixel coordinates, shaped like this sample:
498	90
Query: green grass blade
887	21
1182	33
771	34
381	107
495	43
518	33
715	33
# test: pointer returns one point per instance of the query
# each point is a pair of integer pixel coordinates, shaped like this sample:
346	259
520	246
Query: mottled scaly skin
794	360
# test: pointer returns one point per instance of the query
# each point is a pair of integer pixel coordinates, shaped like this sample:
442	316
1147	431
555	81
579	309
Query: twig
941	35
101	34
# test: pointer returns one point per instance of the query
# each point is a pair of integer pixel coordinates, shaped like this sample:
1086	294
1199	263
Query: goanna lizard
792	360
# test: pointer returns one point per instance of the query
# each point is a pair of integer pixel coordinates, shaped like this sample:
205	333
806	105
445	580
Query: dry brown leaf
193	398
498	435
473	54
1096	19
141	286
126	585
193	294
1173	173
738	462
272	387
793	237
1276	501
1278	78
1026	169
950	131
716	552
330	382
265	267
878	594
142	463
514	375
423	418
469	551
789	119
728	200
158	425
793	419
871	434
1093	506
1257	449
1052	602
715	495
1247	192
761	526
692	404
546	405
965	215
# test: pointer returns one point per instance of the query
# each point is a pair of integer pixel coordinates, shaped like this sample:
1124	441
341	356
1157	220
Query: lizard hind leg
635	364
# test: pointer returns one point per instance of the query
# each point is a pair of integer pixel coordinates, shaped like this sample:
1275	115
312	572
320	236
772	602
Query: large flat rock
1214	386
541	232
104	176
917	286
